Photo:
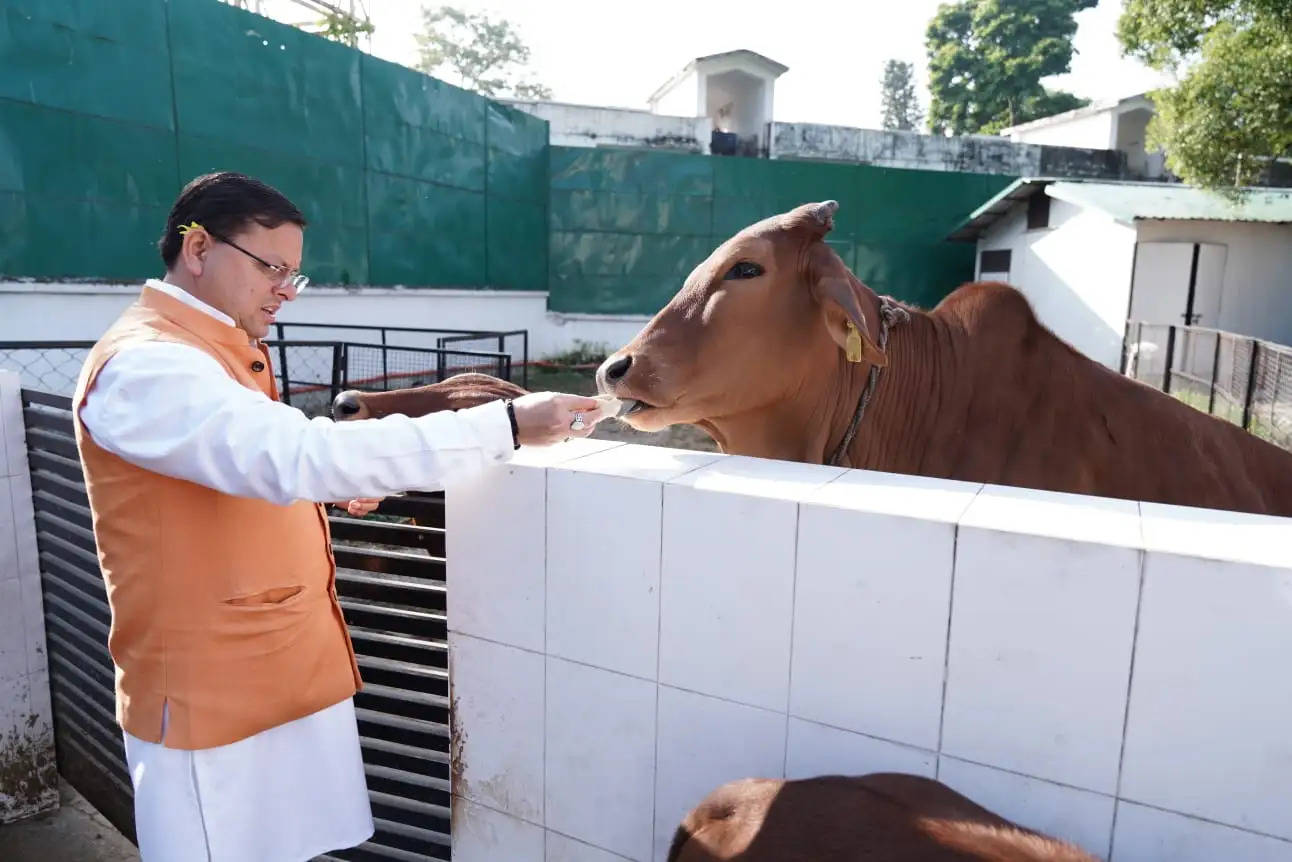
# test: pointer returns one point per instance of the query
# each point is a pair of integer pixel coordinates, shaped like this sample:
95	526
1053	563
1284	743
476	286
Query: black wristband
515	428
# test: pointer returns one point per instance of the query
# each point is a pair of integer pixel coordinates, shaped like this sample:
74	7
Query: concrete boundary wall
77	311
988	154
632	626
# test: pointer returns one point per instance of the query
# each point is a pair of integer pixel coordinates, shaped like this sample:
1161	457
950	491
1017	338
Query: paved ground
74	833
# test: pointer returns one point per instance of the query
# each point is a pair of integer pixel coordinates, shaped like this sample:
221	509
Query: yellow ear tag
852	347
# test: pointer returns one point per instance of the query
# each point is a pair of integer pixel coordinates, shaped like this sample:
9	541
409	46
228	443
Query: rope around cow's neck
890	314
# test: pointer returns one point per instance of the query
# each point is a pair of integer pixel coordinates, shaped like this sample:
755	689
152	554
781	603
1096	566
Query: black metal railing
513	342
310	373
392	587
1243	380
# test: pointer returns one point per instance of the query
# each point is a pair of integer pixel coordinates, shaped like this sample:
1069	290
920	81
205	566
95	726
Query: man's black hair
225	203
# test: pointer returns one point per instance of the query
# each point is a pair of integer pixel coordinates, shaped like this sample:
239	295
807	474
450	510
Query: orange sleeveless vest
224	608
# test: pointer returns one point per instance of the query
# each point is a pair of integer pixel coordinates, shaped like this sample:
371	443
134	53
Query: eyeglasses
287	276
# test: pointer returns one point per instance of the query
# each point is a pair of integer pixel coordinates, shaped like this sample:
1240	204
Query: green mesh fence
628	226
106	109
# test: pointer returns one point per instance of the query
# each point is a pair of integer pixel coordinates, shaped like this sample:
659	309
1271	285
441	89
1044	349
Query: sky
596	52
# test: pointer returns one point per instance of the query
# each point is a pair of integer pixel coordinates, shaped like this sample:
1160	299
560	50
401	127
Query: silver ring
578	424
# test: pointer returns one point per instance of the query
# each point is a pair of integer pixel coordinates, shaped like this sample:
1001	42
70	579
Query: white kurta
294	791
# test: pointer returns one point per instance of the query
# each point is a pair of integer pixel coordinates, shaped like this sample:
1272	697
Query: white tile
652	463
483	835
760	477
727	589
1039	661
1078	816
15	703
1211	701
41	704
871	604
898	494
1058	516
561	453
498	725
13	447
703	744
563	849
1232	536
8	533
33	621
818	750
603	557
27	733
13	631
495	547
600	757
24	516
1149	835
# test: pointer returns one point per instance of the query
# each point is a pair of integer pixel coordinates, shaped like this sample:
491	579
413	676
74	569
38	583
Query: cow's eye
744	269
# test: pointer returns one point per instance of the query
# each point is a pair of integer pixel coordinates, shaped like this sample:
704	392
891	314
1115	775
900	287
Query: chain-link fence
45	366
1242	380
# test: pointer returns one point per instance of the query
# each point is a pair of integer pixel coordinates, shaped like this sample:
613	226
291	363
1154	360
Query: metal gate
391	582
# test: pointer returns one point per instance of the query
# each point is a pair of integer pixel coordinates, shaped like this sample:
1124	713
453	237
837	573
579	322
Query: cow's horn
826	210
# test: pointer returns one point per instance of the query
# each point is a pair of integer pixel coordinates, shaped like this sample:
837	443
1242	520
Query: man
234	668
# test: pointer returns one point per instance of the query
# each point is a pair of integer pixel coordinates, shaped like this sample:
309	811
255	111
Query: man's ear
840	302
193	250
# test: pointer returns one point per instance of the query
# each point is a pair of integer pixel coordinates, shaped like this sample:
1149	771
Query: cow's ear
840	301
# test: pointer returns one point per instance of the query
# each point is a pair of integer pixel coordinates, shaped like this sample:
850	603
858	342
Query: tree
487	55
987	59
1230	114
900	104
344	28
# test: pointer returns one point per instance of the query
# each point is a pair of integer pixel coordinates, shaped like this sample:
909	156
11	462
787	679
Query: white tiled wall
1040	624
498	695
651	624
704	742
481	834
1149	834
600	757
26	723
1084	818
1212	677
815	749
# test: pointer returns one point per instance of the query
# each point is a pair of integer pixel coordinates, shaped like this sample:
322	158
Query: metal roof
987	214
1130	202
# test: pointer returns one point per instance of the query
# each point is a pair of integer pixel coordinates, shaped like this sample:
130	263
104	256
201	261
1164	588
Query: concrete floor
76	832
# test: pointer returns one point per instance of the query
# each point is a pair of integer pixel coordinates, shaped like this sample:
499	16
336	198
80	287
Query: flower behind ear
185	228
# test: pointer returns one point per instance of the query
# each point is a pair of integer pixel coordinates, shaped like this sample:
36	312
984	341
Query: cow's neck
896	433
809	423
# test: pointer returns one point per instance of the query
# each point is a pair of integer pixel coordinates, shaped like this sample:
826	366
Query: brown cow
774	348
455	393
883	817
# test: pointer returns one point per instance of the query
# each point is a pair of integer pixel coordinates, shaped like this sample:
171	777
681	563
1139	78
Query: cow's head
770	310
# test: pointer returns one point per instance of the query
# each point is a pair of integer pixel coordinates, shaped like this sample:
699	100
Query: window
994	263
1038	210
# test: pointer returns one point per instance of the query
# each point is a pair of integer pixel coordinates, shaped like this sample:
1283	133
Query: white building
730	93
1091	255
1111	124
735	90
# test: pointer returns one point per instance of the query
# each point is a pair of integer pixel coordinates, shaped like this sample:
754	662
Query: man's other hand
360	507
